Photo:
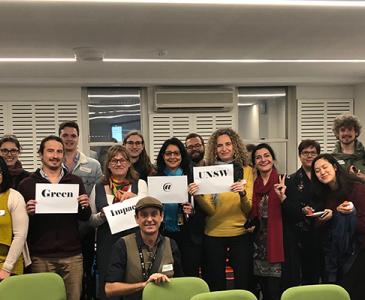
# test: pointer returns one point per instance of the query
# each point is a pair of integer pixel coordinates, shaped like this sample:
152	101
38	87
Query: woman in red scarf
268	194
9	150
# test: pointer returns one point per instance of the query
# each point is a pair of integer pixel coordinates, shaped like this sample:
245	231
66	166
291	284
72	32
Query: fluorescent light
261	95
113	117
115	96
36	59
116	111
114	105
235	61
246	104
219	2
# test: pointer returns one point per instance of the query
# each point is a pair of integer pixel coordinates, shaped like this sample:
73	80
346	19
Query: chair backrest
226	295
37	286
316	292
181	288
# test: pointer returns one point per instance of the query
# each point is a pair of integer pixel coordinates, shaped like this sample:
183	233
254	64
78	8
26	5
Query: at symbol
167	187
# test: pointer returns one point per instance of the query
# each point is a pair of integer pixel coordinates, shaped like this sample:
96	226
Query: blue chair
226	295
181	288
316	292
37	286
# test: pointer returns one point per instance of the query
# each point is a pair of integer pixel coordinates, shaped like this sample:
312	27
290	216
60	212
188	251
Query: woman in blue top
180	222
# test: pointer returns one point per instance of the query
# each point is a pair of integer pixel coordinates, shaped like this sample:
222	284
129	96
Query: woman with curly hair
225	235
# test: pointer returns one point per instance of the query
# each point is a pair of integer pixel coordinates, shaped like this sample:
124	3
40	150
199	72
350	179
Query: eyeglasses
172	153
309	153
196	146
137	143
5	151
123	162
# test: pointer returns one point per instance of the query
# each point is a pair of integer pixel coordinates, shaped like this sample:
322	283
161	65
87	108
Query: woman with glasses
13	227
134	144
180	223
10	150
225	235
119	183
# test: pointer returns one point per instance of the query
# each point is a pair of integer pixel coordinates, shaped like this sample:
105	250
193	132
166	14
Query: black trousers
270	287
353	280
239	251
191	253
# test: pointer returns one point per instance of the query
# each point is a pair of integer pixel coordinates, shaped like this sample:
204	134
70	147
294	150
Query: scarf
275	248
171	210
118	188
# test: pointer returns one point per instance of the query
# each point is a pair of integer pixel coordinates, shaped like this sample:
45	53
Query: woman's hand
187	208
280	188
157	278
345	207
4	274
239	186
121	196
193	188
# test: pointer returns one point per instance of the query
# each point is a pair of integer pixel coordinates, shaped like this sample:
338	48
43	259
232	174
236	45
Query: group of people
275	231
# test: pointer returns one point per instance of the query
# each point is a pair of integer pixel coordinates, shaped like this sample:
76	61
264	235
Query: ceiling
180	31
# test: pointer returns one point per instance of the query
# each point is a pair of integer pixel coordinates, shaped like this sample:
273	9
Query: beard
197	156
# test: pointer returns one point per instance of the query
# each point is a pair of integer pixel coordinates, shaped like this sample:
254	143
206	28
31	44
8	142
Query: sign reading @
56	198
213	179
168	189
120	215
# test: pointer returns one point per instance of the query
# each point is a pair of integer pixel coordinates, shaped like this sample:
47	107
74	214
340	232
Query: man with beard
349	151
134	144
194	144
300	195
54	239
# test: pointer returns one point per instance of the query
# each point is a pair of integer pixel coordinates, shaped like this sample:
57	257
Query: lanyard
145	273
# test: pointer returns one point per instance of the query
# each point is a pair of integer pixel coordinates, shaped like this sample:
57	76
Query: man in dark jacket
54	239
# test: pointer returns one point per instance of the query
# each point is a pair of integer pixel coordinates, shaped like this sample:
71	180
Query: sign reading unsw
120	216
213	179
168	189
56	198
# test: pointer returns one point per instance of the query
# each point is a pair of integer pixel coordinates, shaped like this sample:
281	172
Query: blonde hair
239	148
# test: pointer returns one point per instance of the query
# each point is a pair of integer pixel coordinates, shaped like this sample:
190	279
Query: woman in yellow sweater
225	235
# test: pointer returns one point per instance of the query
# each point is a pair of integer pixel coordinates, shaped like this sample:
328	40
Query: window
262	119
112	113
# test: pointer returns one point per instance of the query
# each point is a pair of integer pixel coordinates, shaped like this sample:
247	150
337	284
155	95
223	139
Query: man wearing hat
142	257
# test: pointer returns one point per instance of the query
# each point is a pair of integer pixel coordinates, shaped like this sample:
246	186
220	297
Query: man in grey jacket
89	170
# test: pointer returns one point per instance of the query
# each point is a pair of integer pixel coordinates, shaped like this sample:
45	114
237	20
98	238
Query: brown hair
132	174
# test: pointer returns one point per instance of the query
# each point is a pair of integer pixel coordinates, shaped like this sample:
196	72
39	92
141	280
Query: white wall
359	107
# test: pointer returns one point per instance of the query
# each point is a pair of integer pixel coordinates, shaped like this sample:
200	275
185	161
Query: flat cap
148	202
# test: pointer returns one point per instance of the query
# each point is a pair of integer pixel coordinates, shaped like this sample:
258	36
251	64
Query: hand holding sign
213	179
31	207
83	200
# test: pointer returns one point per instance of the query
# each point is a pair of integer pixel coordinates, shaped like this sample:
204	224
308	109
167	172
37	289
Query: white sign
168	189
56	198
120	215
213	179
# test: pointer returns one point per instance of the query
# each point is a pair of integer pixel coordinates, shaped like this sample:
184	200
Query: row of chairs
50	286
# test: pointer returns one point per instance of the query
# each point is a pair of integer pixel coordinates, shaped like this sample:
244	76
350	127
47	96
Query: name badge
166	268
341	162
2	212
85	169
